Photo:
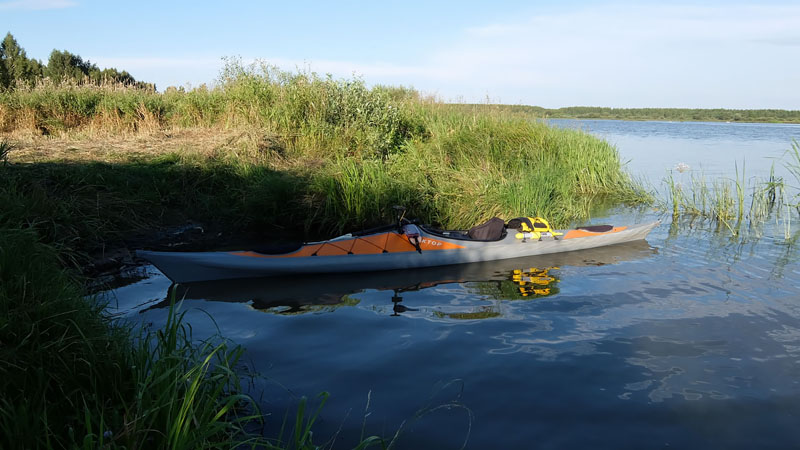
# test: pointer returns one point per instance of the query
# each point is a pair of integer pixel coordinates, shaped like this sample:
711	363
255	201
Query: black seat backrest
491	230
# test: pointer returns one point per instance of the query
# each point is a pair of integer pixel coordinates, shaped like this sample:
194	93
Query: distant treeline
16	69
672	114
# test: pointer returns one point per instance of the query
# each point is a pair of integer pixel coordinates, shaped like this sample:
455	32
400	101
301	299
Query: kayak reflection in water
519	284
534	282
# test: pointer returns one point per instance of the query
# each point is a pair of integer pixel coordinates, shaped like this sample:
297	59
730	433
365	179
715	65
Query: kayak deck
382	250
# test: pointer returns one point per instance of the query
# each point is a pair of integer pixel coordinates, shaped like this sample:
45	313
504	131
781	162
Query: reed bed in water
737	204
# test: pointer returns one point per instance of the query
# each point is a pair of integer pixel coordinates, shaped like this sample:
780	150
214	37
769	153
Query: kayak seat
277	249
597	228
491	230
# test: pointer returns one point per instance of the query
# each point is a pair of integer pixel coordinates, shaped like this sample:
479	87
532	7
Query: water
688	340
651	149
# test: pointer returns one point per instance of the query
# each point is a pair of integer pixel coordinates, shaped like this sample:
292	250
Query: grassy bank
269	150
265	153
666	114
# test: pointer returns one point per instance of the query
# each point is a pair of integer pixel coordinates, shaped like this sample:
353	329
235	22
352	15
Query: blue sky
552	54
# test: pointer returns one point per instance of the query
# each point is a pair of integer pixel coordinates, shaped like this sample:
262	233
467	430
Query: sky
626	54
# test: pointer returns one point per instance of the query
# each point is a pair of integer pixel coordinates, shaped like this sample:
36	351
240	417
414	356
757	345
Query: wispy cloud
667	55
635	55
628	55
37	5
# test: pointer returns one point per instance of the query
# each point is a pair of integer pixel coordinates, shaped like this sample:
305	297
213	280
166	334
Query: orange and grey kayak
388	249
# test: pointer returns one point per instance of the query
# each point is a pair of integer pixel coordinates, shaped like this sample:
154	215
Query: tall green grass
318	116
471	168
70	378
737	204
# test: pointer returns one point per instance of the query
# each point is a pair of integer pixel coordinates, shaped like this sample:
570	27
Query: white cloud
37	5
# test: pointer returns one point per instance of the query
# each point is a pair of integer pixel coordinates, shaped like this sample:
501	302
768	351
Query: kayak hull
381	251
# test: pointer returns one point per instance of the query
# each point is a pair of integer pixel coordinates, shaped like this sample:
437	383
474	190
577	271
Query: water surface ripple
688	340
671	342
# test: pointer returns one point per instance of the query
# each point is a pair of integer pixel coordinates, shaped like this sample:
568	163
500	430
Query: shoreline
711	115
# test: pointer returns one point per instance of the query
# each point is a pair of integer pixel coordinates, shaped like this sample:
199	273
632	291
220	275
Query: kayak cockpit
277	249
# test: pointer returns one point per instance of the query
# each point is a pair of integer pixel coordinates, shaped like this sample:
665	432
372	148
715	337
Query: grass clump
70	378
727	203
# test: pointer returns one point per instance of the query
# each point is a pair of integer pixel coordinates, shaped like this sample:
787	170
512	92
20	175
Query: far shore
646	114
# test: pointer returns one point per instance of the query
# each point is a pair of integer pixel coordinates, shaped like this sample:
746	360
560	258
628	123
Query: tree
36	69
18	67
64	66
4	79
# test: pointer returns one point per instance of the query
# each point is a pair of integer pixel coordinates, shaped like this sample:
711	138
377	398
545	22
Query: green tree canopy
63	66
18	69
4	79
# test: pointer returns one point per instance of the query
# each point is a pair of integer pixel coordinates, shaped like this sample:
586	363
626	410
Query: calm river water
688	340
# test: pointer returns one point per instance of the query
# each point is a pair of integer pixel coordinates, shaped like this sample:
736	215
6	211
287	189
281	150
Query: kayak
390	248
508	279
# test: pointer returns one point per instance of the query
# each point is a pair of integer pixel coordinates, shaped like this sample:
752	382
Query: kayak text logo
430	242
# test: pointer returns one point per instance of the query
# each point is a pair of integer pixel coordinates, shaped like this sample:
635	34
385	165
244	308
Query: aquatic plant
793	165
725	201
